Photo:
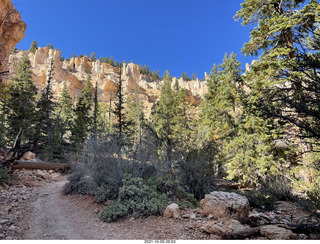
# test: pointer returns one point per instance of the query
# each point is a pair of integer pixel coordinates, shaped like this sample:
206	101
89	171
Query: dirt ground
37	210
33	207
75	217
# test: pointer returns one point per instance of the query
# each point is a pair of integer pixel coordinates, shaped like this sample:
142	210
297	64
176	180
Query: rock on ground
223	227
225	205
276	233
172	211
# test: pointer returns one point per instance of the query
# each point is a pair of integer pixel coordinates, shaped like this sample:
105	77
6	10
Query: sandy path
75	217
56	218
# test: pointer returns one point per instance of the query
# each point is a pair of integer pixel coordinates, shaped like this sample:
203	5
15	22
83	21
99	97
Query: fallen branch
301	228
28	164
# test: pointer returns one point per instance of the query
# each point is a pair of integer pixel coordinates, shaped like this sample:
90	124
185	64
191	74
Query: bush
279	187
98	174
146	197
136	197
314	193
4	176
113	212
167	183
259	200
80	182
197	173
273	188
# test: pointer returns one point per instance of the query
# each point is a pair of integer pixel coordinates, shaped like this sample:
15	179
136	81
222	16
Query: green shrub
98	173
136	197
4	176
101	195
279	187
185	199
259	200
145	197
197	172
114	211
314	193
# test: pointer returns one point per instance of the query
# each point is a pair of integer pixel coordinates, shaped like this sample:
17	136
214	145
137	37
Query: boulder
222	228
213	228
12	30
43	174
28	156
233	225
276	233
172	211
225	205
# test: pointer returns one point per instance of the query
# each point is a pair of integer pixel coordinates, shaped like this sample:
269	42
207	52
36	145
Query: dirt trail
56	218
75	217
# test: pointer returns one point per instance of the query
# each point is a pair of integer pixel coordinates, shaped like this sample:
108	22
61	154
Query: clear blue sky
178	35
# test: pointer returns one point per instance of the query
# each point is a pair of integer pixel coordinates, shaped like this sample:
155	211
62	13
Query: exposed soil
75	217
48	214
34	207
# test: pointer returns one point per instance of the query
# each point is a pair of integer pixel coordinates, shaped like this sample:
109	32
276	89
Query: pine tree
4	95
45	107
219	108
33	47
111	62
162	118
119	111
21	103
245	140
83	118
64	115
93	56
135	121
95	112
284	82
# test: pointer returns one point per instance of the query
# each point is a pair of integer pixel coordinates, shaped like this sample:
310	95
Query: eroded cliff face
12	30
75	72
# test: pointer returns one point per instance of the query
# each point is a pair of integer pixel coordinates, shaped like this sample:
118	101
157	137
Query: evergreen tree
21	103
65	114
219	108
119	111
93	56
50	46
162	118
4	95
45	107
285	81
111	62
83	118
95	112
245	140
135	122
33	47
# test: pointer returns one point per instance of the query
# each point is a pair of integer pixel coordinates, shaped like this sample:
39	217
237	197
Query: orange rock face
76	70
12	30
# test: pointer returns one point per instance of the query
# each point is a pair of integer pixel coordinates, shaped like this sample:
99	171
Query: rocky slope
11	31
75	71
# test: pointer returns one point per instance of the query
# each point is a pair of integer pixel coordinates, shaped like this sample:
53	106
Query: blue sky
178	35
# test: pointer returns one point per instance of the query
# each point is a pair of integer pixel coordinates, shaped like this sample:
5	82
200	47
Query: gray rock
230	205
193	216
276	233
12	228
3	221
172	211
